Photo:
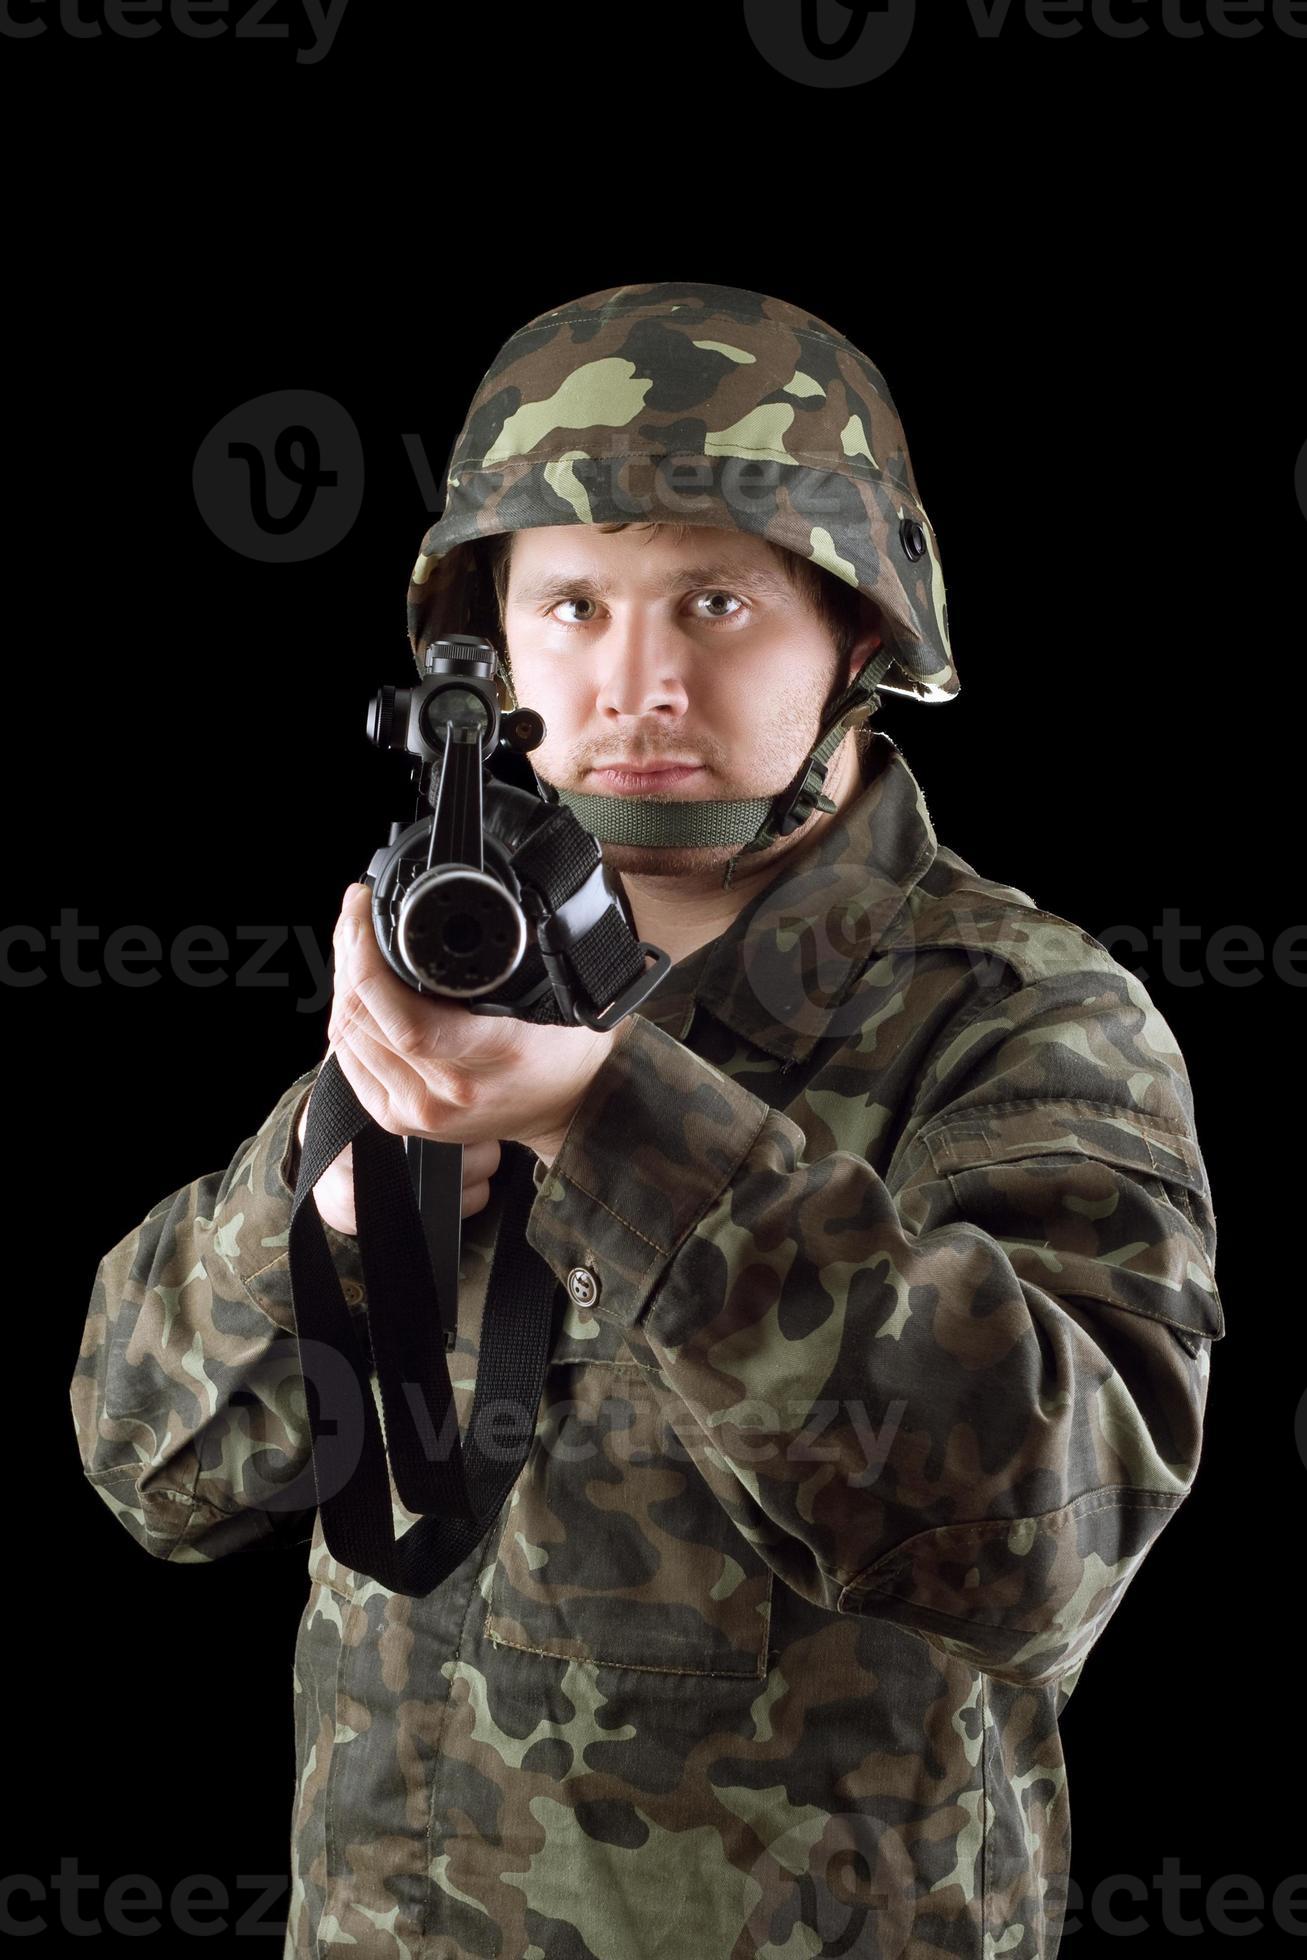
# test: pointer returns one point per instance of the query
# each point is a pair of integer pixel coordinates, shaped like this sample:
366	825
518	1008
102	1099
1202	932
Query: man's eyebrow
558	585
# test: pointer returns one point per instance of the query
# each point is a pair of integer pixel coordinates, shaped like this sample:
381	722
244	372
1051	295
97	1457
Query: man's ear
870	636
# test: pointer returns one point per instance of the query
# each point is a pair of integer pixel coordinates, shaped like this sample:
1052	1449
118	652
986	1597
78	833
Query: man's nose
645	666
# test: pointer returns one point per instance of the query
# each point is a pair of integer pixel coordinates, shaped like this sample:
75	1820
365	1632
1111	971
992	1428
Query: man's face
637	648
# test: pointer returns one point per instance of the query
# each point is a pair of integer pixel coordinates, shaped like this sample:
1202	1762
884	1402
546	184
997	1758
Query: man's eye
723	595
583	600
569	602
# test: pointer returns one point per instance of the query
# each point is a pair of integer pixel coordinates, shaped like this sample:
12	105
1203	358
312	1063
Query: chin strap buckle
809	796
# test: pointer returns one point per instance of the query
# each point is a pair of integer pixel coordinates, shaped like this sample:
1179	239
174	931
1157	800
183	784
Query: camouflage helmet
710	405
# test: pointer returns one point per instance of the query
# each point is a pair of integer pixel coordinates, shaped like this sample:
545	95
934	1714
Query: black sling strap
464	1484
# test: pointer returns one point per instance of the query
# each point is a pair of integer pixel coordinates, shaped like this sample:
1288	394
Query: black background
1071	259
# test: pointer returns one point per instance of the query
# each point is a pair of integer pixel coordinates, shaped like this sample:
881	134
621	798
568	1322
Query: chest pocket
612	1547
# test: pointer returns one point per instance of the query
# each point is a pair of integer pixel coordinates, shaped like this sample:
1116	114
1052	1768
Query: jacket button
583	1286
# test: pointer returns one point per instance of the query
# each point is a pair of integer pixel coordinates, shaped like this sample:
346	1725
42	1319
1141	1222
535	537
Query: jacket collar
780	971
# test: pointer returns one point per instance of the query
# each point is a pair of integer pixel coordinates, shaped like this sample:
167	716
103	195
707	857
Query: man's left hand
424	1066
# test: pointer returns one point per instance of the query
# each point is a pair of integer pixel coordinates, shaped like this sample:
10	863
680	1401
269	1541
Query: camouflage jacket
887	1256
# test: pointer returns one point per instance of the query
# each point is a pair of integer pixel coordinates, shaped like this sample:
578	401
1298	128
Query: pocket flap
1033	1175
1105	1130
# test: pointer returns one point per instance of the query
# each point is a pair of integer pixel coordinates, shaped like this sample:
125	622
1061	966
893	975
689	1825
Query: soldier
885	1243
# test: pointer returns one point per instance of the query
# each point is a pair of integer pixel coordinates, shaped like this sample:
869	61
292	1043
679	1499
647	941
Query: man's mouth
661	775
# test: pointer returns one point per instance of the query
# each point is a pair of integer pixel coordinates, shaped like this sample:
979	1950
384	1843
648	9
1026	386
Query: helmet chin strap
752	823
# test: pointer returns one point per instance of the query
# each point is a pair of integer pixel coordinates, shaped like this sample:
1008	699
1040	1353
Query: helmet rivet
912	537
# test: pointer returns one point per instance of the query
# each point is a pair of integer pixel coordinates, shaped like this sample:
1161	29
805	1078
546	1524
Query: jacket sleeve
965	1396
188	1397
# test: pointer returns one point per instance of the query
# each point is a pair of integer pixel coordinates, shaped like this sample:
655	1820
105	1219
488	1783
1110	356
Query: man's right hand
333	1193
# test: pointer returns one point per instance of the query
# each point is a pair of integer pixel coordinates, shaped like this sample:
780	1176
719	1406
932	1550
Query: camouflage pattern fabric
695	404
886	1263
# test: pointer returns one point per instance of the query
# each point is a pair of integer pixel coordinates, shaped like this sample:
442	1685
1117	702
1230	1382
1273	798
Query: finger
422	1102
354	945
369	993
357	958
348	1015
347	932
414	1024
421	1024
408	1100
351	1012
412	1074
